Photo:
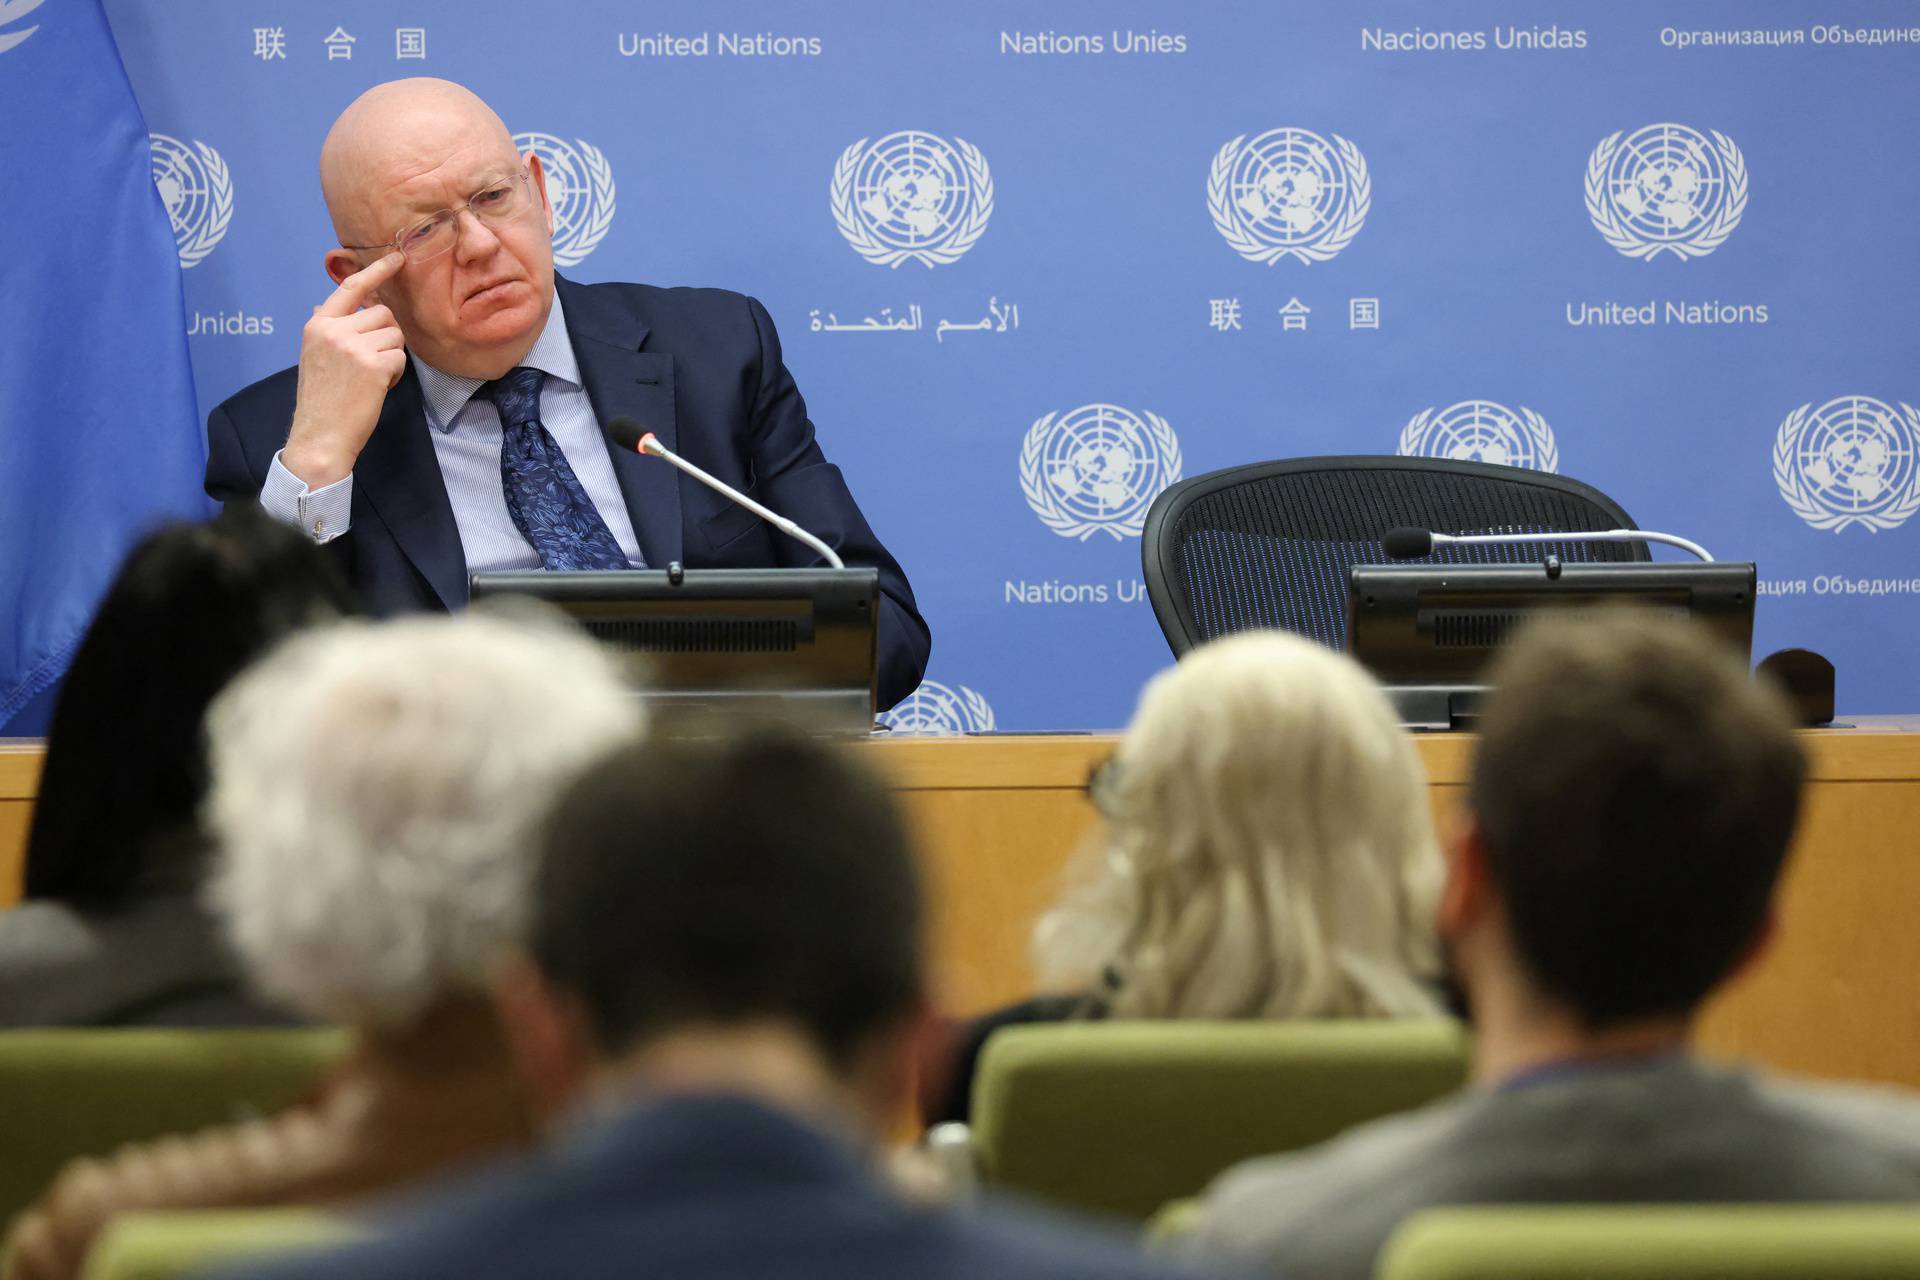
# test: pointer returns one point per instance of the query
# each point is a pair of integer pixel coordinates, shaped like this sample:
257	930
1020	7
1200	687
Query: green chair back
1171	1222
1121	1117
74	1093
1657	1242
167	1246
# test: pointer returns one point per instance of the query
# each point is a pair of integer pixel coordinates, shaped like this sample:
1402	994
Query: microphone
1410	544
628	434
1407	544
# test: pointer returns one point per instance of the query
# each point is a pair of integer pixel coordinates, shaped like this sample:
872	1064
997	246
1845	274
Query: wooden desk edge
1876	748
20	760
1871	749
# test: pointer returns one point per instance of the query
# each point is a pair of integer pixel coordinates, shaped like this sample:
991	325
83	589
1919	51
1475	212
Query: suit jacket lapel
399	476
622	379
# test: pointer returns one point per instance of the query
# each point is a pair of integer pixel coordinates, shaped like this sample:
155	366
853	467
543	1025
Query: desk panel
998	819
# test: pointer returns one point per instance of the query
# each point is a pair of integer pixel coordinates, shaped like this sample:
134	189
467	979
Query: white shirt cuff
323	514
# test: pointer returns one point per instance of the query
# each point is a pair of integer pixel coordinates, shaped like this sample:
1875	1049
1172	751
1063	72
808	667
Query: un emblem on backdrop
1289	193
1097	469
580	185
938	708
13	11
911	195
1854	460
1666	189
1482	431
197	191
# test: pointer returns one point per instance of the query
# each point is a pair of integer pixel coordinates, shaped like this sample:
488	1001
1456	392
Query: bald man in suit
445	417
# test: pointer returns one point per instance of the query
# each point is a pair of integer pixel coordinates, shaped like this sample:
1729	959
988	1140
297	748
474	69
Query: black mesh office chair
1270	544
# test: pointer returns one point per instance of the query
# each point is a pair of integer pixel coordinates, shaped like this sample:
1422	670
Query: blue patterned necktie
544	497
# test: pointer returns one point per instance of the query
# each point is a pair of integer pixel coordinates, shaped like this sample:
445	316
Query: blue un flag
99	435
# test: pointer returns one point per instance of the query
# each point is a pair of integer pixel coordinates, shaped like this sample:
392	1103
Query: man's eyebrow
432	204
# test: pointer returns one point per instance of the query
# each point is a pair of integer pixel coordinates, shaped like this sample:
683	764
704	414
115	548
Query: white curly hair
376	789
1268	851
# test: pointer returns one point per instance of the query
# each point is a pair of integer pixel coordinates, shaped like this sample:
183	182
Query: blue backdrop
1031	262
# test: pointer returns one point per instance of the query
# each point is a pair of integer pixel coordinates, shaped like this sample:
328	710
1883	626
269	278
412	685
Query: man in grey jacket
1629	812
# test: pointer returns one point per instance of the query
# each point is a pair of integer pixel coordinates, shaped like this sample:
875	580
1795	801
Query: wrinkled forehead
415	161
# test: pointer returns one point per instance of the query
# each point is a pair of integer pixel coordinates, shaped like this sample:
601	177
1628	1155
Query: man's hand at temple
351	355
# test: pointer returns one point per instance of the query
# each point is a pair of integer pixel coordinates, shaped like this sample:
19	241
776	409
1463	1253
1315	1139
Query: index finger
353	291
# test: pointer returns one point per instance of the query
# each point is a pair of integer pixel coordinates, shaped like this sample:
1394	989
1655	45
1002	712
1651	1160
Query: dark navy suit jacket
701	368
712	1188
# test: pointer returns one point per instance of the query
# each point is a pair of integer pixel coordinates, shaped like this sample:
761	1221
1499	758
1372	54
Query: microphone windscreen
1806	678
626	433
1407	544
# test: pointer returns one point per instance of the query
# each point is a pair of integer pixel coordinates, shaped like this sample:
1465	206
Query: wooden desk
19	784
999	817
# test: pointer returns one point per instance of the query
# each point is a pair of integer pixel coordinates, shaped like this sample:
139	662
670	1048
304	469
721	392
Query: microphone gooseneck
629	434
1406	544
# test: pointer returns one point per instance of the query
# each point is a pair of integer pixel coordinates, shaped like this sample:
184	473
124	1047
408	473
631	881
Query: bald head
407	151
393	134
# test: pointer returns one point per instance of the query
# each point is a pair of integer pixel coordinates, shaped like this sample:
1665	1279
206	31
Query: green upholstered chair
1171	1221
167	1246
1121	1117
86	1092
1657	1242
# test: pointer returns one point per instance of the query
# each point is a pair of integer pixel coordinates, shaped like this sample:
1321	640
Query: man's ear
887	1072
540	188
1755	949
547	1036
341	264
1468	890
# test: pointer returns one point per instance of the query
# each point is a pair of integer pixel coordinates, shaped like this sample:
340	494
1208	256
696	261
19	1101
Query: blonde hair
376	788
1269	849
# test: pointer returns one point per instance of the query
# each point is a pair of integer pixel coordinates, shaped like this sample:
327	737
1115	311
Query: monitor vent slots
698	635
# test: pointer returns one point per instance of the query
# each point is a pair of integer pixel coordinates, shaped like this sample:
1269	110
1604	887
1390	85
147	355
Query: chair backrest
1172	1221
1269	544
74	1093
1121	1117
167	1246
1656	1242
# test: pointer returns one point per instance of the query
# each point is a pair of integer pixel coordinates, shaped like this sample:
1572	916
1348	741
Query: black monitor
797	643
1427	632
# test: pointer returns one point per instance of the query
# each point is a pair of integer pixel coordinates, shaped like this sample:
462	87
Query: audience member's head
126	765
1632	799
1269	850
736	912
376	789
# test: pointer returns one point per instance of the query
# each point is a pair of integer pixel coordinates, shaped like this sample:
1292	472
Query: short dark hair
1637	790
718	880
126	765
